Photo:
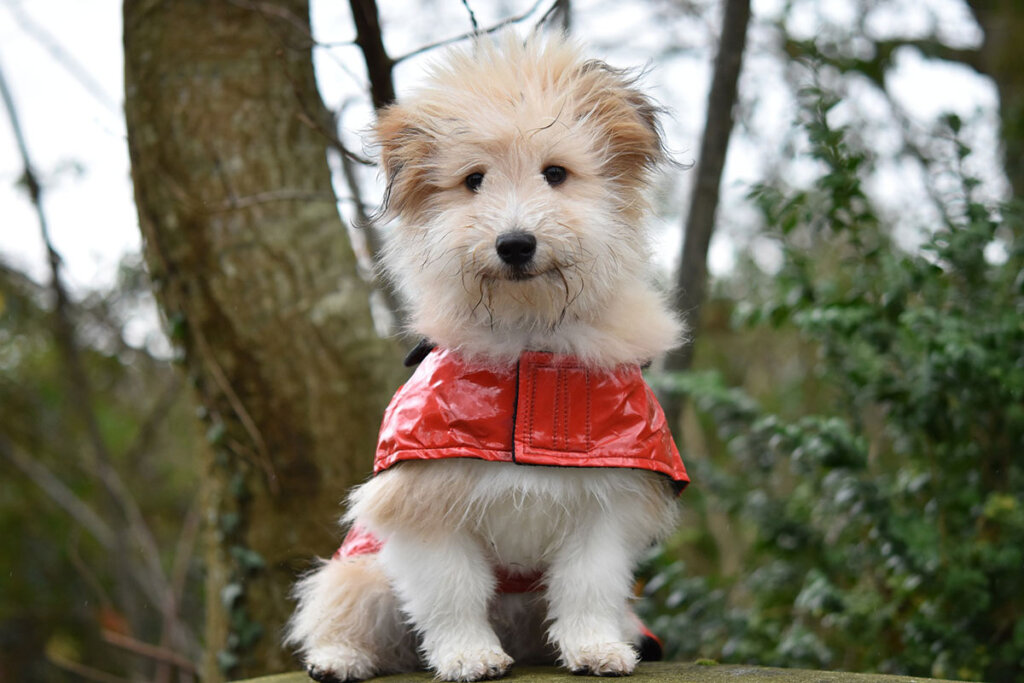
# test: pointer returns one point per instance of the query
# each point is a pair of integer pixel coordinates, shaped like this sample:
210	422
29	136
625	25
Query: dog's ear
628	118
406	148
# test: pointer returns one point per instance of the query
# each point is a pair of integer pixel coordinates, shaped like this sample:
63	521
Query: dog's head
517	176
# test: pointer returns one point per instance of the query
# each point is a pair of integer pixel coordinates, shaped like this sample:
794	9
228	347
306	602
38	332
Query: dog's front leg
445	586
588	586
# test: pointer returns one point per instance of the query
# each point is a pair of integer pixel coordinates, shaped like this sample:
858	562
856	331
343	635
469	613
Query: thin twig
331	137
86	572
79	511
472	16
184	547
263	454
154	652
270	197
374	243
59	493
487	31
562	9
62	57
183	551
272	11
154	417
86	672
555	6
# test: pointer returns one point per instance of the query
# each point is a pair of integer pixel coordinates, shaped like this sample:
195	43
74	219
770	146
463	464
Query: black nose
516	248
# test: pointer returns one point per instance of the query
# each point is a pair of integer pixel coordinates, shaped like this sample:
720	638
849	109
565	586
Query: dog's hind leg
446	585
347	625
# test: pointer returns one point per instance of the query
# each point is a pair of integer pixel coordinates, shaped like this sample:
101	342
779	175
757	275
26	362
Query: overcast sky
63	63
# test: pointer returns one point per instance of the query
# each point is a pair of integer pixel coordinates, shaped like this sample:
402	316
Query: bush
889	531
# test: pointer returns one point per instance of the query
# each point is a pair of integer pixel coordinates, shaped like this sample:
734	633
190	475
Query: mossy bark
1002	58
260	289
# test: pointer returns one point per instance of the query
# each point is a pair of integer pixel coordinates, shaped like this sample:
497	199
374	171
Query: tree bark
691	280
261	293
1002	58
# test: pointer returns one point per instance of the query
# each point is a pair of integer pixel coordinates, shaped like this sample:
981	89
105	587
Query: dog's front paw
604	659
472	665
338	664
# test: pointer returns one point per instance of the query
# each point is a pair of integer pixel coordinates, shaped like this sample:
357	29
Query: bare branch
82	514
562	12
271	196
878	64
330	135
472	16
487	31
63	57
174	631
86	672
154	652
59	493
379	66
244	417
86	572
374	243
554	11
154	417
184	547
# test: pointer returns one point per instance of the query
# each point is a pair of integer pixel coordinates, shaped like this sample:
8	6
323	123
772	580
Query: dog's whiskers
490	311
472	311
565	289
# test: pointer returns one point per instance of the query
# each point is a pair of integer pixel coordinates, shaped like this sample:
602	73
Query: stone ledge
652	672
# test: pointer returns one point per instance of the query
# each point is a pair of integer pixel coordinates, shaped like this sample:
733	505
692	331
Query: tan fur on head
525	88
509	112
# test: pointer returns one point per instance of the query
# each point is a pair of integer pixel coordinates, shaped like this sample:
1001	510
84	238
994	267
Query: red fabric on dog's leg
358	541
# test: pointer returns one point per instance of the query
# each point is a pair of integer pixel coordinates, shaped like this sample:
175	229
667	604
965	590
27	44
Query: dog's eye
555	175
474	180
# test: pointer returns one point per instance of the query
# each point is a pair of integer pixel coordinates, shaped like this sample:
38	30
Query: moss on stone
655	672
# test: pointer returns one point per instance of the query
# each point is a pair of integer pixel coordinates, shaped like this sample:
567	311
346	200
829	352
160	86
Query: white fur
508	112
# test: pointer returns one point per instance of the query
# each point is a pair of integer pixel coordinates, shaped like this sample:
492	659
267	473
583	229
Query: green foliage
63	582
889	528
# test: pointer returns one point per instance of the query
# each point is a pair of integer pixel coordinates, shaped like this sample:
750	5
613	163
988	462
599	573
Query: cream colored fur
507	111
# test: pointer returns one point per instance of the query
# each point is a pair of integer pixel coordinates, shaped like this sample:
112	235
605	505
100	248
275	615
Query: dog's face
517	179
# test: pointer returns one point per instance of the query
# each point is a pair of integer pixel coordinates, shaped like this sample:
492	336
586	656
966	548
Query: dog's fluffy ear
406	147
628	117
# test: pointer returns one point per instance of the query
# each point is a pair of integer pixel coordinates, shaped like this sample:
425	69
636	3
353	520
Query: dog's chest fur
526	515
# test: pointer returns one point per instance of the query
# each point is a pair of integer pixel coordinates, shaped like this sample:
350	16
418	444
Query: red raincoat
546	409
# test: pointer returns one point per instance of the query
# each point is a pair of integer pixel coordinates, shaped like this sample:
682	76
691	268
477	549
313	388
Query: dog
525	467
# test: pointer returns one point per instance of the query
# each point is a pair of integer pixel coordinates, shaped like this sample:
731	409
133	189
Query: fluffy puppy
517	179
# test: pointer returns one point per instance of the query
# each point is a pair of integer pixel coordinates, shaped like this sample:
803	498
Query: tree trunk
1002	58
379	66
700	221
260	289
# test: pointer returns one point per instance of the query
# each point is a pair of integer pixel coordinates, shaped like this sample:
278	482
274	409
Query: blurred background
175	413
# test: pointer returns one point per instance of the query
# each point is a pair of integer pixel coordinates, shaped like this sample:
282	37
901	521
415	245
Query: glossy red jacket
545	409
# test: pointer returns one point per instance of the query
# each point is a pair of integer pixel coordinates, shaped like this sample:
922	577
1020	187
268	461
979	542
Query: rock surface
654	672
